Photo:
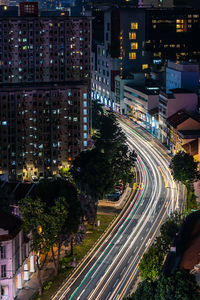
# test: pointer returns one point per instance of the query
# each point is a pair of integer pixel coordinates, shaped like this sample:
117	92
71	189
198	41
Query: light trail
109	271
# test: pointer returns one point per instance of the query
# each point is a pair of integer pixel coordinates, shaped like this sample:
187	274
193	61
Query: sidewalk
117	204
31	286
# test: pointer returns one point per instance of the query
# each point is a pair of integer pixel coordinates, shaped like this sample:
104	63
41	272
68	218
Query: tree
111	141
180	285
33	220
97	113
52	215
151	264
49	191
184	169
94	177
145	291
168	231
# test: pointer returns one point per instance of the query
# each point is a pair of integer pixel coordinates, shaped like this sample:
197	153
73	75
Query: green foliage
49	191
48	285
180	285
65	172
145	291
111	141
184	168
97	112
93	174
151	264
152	261
97	171
169	229
46	225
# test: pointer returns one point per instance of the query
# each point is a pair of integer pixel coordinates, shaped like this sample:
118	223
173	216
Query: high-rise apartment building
42	128
44	92
43	49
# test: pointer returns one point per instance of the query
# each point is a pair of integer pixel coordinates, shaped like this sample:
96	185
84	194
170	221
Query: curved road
110	270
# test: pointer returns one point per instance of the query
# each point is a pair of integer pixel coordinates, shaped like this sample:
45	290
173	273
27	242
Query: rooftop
183	66
178	118
9	223
147	90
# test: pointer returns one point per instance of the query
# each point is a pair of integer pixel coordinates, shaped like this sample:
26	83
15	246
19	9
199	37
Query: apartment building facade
43	49
42	128
45	102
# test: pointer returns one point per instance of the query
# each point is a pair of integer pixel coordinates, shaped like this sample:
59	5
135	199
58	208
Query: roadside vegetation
60	211
80	250
178	284
185	170
152	262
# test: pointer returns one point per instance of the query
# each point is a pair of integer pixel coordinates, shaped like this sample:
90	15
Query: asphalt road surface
110	270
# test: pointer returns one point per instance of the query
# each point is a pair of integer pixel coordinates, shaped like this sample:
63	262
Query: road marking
108	296
123	270
130	259
80	294
138	186
116	283
163	176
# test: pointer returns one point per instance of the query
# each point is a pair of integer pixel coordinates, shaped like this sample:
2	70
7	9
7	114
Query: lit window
132	55
134	25
85	96
134	46
84	103
145	66
85	111
85	135
84	127
181	25
85	120
85	143
132	36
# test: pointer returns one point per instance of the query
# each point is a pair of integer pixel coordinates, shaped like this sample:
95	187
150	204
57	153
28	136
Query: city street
111	268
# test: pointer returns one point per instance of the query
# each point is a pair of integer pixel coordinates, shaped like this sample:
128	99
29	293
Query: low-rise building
169	104
182	75
142	104
16	260
184	133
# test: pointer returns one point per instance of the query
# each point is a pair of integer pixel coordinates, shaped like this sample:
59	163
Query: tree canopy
51	215
96	172
151	264
184	168
97	112
180	285
50	190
